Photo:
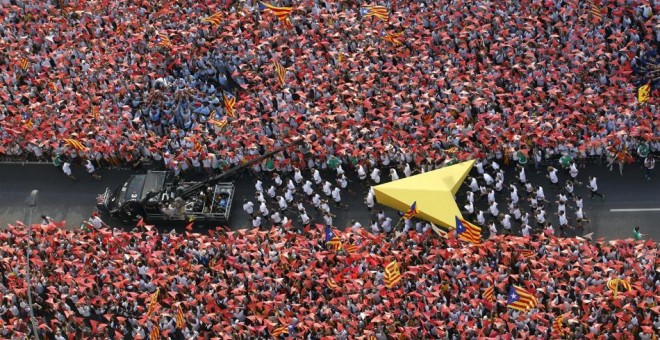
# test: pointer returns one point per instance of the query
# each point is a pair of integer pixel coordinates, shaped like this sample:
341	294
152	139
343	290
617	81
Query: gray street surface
630	199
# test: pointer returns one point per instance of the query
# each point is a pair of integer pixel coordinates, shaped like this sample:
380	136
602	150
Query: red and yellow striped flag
351	248
180	320
164	40
155	333
379	12
393	38
279	331
75	144
613	285
219	123
29	124
330	283
595	10
152	302
392	274
557	325
229	102
281	72
24	64
489	294
282	13
214	19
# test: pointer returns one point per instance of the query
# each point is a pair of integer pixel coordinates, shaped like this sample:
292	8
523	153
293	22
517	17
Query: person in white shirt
493	209
492	229
469	196
491	196
375	175
481	220
263	209
290	185
370	201
552	175
355	225
256	222
271	191
514	194
277	179
66	168
540	216
248	207
517	214
327	188
342	181
260	197
563	224
304	218
325	208
469	208
307	188
578	202
297	176
316	202
282	203
488	179
522	176
526	230
97	222
387	225
393	174
406	170
540	195
561	207
327	218
573	170
570	188
524	219
494	165
288	195
580	218
474	185
316	175
593	186
336	196
506	222
276	218
92	170
362	174
258	185
374	227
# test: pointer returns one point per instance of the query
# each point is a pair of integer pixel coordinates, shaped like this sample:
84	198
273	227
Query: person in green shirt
57	160
565	160
522	159
643	150
636	234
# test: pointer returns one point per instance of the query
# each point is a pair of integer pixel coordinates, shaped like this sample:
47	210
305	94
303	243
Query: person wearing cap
96	221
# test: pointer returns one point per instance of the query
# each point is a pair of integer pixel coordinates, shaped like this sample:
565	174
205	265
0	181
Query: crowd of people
251	284
129	80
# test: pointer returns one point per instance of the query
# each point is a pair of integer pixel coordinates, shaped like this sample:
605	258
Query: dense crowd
468	80
252	284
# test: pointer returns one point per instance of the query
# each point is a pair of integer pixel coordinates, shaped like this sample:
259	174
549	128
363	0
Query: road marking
634	210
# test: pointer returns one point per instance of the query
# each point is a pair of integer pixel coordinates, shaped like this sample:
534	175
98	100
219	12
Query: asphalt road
64	199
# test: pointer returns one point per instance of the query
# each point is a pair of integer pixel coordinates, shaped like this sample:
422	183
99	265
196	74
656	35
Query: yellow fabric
433	191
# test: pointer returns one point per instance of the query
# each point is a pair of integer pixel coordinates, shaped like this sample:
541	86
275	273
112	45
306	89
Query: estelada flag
520	299
214	19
